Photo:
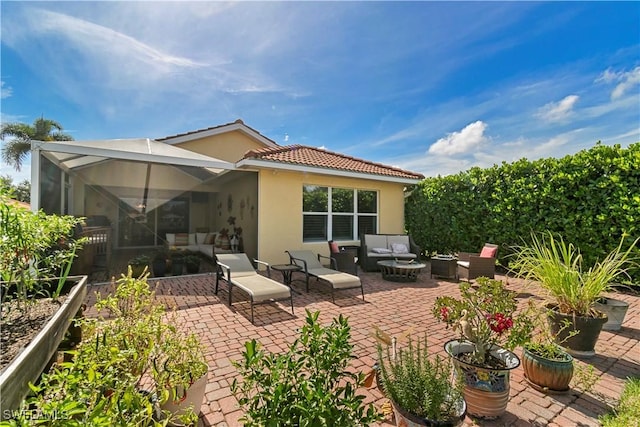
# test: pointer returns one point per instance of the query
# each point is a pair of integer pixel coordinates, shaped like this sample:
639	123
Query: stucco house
228	176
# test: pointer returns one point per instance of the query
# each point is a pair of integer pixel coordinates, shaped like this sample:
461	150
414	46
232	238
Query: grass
627	412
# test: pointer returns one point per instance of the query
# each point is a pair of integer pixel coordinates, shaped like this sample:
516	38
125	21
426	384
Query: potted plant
308	384
488	330
159	263
177	263
139	265
192	263
420	387
571	289
547	366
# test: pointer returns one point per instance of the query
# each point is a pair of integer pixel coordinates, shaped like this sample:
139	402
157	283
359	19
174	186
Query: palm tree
16	149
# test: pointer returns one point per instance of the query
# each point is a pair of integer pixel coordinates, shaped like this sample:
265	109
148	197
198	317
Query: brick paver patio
393	307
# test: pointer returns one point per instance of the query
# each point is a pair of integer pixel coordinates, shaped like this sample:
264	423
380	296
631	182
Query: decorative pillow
192	238
488	252
334	247
171	239
200	238
182	239
399	248
210	239
381	250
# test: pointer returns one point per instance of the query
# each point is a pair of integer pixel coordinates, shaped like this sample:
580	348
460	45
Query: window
337	213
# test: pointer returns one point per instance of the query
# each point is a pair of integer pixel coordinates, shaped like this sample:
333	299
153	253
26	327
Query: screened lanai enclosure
141	188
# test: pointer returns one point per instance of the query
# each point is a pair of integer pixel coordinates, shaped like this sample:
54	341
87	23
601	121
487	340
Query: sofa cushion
182	239
399	248
399	238
375	241
210	239
171	239
192	239
200	238
381	250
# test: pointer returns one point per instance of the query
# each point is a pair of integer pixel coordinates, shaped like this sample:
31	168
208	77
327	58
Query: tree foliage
591	198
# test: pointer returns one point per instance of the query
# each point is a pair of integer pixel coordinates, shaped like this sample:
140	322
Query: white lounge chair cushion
261	288
464	264
338	279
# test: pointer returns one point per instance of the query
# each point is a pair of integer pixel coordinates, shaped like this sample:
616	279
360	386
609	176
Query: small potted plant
489	328
547	366
420	387
138	265
159	263
192	263
177	262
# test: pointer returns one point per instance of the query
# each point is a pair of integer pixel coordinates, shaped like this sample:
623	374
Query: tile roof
315	157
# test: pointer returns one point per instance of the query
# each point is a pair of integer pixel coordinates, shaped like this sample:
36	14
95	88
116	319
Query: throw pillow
211	237
488	252
334	247
182	239
381	250
192	238
171	239
399	248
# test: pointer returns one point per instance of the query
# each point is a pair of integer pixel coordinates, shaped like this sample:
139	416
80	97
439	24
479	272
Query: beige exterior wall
229	146
280	213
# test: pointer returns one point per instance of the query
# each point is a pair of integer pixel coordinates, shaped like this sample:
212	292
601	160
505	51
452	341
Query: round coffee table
400	271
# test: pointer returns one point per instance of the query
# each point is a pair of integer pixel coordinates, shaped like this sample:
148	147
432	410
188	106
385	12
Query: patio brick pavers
394	307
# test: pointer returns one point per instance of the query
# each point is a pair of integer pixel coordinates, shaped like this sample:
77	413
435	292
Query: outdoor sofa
380	247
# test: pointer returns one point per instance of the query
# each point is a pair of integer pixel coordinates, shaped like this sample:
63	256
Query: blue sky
432	87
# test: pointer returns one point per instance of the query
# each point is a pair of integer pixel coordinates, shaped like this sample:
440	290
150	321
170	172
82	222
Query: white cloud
5	92
460	142
629	80
558	111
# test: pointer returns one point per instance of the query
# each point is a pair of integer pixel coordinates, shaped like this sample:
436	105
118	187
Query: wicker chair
473	265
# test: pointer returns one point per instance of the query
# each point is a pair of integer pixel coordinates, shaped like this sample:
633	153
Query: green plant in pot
192	263
177	263
572	290
547	366
489	326
139	265
419	386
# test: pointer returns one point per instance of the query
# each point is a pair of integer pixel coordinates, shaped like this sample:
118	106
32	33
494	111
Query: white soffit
74	154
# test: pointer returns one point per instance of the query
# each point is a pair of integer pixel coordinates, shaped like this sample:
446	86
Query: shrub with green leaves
309	385
627	412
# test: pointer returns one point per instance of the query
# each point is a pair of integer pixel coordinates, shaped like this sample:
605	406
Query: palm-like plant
16	149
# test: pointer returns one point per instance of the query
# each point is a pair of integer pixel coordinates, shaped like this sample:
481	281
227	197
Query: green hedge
590	198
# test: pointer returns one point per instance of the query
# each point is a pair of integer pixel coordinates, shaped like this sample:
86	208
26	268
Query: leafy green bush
309	385
591	198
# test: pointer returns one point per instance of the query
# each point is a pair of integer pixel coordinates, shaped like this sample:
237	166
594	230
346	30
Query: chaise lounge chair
311	266
237	270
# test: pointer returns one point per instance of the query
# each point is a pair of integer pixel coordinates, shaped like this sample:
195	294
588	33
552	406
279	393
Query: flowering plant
485	315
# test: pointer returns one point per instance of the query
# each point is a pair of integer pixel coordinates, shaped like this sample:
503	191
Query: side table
444	266
287	271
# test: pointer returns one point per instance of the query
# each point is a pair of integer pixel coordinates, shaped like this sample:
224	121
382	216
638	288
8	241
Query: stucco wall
280	214
229	146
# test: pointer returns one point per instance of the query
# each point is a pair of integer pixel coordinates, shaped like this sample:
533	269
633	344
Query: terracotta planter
407	419
582	344
192	398
615	310
547	375
29	364
486	390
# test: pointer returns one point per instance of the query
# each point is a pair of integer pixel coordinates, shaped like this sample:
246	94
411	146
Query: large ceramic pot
29	364
584	342
547	375
486	390
615	310
407	419
193	397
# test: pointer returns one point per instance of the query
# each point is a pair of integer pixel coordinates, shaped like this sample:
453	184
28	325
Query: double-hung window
338	213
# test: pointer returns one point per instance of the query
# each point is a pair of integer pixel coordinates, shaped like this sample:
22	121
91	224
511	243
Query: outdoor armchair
312	267
473	265
237	270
